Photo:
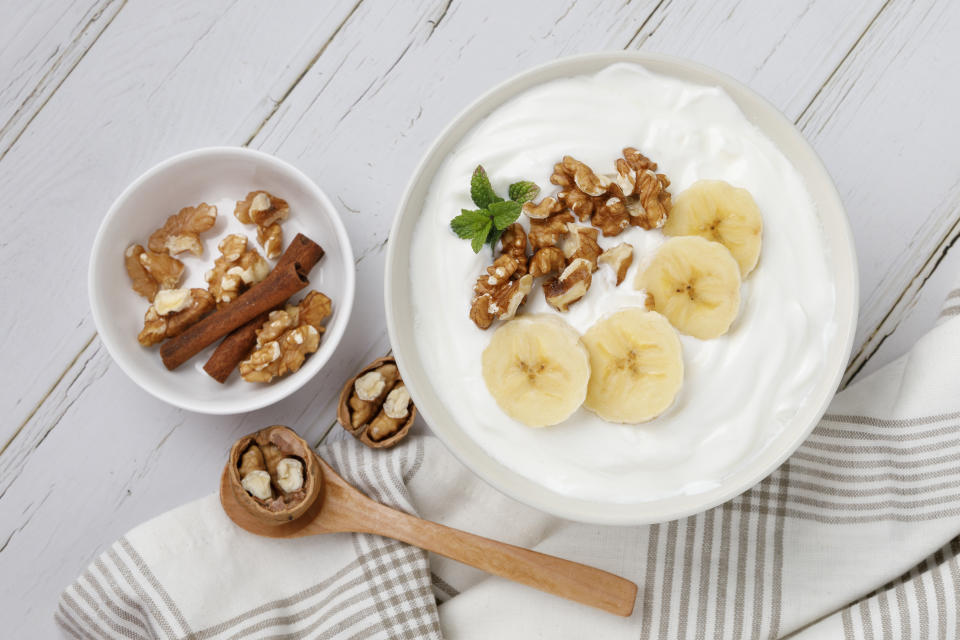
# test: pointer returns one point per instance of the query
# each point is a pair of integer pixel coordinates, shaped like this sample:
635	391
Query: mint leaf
469	224
524	191
480	190
493	238
481	238
504	213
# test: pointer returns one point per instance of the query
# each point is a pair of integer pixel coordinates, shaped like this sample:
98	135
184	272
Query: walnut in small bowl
274	474
375	406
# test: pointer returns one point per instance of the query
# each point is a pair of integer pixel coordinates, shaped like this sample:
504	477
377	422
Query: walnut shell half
277	442
362	432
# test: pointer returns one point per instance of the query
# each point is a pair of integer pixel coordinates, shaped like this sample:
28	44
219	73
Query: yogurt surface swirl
739	389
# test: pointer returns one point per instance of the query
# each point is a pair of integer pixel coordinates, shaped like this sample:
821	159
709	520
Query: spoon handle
563	578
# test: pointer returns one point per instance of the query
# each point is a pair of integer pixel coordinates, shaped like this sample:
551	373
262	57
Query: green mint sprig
486	224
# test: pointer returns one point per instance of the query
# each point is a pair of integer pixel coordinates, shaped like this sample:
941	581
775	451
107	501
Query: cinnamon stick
235	347
261	297
303	250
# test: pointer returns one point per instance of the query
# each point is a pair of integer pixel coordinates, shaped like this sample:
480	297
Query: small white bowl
220	176
840	256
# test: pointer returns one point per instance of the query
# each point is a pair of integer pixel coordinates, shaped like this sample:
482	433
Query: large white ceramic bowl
840	258
213	175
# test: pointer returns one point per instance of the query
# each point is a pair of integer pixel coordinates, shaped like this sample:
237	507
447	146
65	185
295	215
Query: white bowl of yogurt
749	398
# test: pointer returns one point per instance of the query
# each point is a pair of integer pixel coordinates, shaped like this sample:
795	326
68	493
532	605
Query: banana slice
536	369
718	211
695	283
636	366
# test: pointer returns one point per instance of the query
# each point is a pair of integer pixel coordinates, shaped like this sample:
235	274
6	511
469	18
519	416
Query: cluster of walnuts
288	336
635	196
561	250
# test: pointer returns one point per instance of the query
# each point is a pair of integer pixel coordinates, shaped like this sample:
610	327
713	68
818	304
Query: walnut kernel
497	295
290	475
369	386
235	269
570	286
258	484
266	211
181	232
158	326
548	231
363	402
149	272
271	239
618	258
513	243
581	242
547	260
542	209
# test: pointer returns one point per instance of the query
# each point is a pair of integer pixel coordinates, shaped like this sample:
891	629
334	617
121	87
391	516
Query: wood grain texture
154	84
786	62
881	125
342	508
352	93
40	44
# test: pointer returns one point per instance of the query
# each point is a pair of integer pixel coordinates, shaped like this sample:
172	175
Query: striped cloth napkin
856	536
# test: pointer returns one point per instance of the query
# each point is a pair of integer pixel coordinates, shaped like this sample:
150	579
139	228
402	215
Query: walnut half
266	211
173	311
497	296
618	258
570	286
274	474
375	405
181	232
150	272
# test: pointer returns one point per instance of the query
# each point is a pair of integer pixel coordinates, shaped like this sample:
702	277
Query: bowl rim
269	395
826	198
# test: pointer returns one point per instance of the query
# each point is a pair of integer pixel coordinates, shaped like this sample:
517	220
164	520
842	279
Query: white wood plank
155	83
884	125
916	314
40	44
782	50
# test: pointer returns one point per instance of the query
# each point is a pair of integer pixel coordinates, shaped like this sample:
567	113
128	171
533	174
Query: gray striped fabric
350	586
855	537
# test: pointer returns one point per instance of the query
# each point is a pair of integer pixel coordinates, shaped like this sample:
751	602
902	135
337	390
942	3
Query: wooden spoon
339	507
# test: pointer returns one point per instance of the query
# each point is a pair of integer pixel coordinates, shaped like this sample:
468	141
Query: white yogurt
739	389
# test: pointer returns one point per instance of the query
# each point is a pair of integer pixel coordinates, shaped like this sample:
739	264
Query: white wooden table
93	92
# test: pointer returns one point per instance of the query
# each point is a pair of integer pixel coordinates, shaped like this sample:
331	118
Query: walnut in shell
375	406
274	474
